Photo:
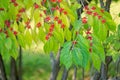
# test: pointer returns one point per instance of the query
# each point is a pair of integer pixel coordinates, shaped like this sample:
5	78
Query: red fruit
27	23
59	21
88	32
28	26
47	37
38	25
0	30
56	18
84	20
65	12
49	34
103	21
77	32
89	38
1	9
15	33
61	9
15	4
11	29
102	10
59	1
99	17
89	12
18	15
57	7
22	10
52	25
52	8
7	23
45	12
93	8
90	49
47	18
63	26
13	1
91	44
51	29
36	6
53	1
74	42
41	15
95	14
86	8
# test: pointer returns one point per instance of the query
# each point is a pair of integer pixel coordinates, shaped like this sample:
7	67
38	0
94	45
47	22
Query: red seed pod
90	49
0	29
1	9
28	26
62	26
95	14
11	29
86	8
65	12
59	21
15	33
38	25
36	6
88	32
45	12
46	37
103	21
93	8
59	1
99	17
49	34
102	10
53	1
84	20
61	10
52	8
89	12
41	15
47	19
15	4
22	10
7	23
74	42
57	7
89	37
56	18
13	1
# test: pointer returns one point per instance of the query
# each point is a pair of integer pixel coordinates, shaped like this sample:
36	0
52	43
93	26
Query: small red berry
103	21
36	6
93	8
56	18
89	12
74	42
57	7
52	8
15	33
89	38
59	21
59	1
49	34
22	10
86	8
102	10
65	12
95	14
7	23
28	26
47	37
99	17
84	20
47	18
11	29
13	1
62	26
61	9
45	12
1	9
90	49
53	1
15	4
38	25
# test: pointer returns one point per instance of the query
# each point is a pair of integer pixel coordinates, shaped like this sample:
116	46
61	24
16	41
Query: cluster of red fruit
22	10
27	24
61	10
91	11
14	3
8	26
54	1
89	37
50	31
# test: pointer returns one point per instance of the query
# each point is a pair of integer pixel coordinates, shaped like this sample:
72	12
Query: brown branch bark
2	69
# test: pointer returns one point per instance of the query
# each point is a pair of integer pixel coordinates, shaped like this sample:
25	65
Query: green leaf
118	31
77	24
66	57
77	57
8	43
98	48
67	34
96	61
